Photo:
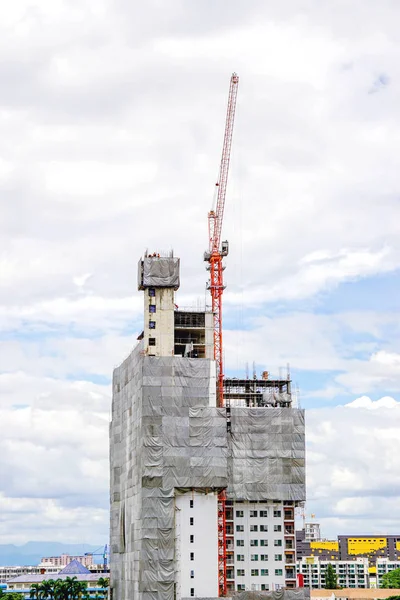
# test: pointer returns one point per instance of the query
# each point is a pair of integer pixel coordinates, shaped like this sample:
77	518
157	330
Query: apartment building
350	574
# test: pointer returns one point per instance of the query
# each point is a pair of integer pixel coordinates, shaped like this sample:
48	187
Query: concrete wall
196	516
163	301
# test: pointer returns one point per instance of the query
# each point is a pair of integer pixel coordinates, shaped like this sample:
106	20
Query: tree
103	583
47	589
35	591
391	580
330	578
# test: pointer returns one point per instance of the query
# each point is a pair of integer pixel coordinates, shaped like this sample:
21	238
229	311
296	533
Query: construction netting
166	439
158	272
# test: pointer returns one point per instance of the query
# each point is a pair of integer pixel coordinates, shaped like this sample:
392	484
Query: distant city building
383	566
312	532
8	572
350	574
23	583
347	547
65	559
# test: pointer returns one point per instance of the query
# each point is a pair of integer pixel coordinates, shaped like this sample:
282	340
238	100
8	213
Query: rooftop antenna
247	370
254	370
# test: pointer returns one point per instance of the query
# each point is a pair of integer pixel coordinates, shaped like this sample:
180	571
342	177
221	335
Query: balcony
289	545
290	574
289	530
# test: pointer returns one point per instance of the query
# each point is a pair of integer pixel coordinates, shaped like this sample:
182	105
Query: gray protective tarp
161	272
165	440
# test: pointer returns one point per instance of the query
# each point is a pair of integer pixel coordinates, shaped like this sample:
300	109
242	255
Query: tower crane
217	250
104	554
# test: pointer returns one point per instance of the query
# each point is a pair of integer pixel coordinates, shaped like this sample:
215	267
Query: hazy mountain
32	552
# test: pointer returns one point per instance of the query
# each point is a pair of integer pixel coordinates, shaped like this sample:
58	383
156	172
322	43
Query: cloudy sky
111	123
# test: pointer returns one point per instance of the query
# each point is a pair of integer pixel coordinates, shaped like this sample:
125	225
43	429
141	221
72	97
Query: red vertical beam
222	586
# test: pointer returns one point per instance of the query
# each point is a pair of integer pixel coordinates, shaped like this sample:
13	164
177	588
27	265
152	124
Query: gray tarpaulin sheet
164	440
161	272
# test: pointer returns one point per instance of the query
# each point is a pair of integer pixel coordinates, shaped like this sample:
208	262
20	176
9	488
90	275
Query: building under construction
206	471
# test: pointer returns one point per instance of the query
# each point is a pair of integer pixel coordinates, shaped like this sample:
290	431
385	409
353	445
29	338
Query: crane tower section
218	250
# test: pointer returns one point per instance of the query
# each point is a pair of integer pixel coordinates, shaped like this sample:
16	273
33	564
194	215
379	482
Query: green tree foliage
391	580
330	578
60	589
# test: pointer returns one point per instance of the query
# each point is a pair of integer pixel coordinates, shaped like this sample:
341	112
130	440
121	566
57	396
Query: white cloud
111	123
366	402
353	473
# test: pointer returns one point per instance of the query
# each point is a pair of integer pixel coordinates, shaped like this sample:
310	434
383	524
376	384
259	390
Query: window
254	557
277	542
253	542
152	292
264	587
192	574
192	591
277	513
152	308
253	513
277	527
263	513
264	556
152	341
254	572
191	503
241	587
263	542
264	572
278	572
152	324
239	513
239	542
191	539
253	527
263	527
239	527
240	557
191	520
278	556
240	572
192	556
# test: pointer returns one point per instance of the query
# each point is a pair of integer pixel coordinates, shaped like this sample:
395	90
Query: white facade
350	574
383	566
259	545
312	532
196	530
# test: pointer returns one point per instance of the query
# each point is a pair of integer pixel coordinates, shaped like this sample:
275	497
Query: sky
111	124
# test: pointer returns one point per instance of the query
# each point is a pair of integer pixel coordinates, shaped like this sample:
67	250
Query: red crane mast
214	256
217	250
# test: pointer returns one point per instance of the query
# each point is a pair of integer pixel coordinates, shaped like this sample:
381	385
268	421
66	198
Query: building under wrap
172	451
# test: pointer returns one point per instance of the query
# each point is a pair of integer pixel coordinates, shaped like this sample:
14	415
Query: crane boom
214	256
215	218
